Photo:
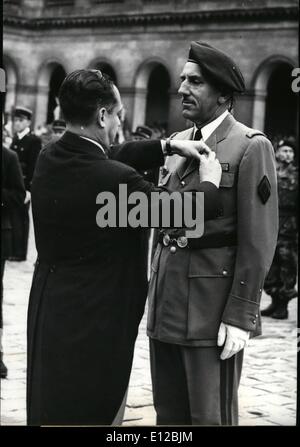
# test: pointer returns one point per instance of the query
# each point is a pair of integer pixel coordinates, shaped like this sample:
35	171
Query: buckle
181	242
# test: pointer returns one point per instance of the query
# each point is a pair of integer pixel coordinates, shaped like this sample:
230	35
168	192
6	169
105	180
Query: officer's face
113	119
199	98
20	123
285	154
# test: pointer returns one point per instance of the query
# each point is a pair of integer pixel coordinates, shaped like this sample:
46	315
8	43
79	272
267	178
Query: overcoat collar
73	141
216	137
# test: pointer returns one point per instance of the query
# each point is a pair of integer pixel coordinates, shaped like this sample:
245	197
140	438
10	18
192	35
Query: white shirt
23	133
95	142
209	128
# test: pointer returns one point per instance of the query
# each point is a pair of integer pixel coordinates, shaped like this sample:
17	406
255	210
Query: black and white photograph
149	215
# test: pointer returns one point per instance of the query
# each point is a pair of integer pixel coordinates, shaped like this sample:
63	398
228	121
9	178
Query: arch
50	76
260	84
12	79
146	82
106	66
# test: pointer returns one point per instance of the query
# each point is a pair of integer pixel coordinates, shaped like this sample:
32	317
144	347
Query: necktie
198	135
189	162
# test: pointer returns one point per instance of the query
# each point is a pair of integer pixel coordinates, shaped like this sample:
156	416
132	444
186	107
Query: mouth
186	103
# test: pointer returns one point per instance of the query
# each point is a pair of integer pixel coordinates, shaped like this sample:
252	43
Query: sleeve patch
264	189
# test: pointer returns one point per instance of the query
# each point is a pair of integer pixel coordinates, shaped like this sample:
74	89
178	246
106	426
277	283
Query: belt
215	241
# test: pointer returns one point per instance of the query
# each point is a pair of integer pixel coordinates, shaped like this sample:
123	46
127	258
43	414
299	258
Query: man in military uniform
204	293
27	146
281	280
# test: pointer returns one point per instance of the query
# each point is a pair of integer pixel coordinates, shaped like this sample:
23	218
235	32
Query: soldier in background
281	280
27	146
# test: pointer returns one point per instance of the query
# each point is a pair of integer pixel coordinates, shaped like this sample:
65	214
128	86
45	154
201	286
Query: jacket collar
72	140
216	137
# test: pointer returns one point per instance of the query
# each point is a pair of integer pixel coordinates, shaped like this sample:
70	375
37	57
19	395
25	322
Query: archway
275	105
281	104
56	79
50	77
105	67
151	102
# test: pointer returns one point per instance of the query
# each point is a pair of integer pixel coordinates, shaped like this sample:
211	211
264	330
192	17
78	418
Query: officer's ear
101	117
223	98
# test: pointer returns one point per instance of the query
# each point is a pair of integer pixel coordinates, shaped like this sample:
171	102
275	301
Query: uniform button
256	315
173	249
22	149
182	183
253	321
242	283
260	290
225	272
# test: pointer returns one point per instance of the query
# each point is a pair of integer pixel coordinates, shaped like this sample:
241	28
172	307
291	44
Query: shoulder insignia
264	189
252	133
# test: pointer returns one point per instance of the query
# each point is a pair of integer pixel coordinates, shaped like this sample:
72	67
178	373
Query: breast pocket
210	279
227	180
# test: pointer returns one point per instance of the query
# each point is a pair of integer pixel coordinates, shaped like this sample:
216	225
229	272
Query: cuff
241	313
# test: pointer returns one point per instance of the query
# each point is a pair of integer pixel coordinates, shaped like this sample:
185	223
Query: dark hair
83	92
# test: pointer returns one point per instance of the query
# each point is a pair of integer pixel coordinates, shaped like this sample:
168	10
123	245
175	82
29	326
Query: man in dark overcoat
90	283
27	146
204	293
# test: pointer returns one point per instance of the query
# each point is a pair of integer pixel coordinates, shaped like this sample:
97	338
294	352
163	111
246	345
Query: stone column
10	98
26	95
176	121
139	107
128	96
41	106
259	110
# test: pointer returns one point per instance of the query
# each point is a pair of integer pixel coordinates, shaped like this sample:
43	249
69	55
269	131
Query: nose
183	89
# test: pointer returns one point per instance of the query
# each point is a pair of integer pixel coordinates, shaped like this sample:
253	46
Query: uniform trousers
193	386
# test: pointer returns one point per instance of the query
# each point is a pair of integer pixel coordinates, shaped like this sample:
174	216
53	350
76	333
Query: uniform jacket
27	149
193	290
12	203
90	284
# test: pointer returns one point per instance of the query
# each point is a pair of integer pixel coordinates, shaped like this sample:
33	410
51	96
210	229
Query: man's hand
235	340
210	169
189	148
27	198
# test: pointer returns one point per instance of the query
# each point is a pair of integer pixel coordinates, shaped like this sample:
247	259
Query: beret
217	66
23	112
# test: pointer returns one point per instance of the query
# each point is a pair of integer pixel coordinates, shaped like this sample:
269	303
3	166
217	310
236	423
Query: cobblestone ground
268	386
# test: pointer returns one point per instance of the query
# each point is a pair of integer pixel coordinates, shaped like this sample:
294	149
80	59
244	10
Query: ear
101	117
222	99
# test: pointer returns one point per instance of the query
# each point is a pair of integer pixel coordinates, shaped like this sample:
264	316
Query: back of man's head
83	93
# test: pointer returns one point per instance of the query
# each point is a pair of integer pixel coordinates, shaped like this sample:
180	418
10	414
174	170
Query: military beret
143	131
23	112
217	66
58	125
